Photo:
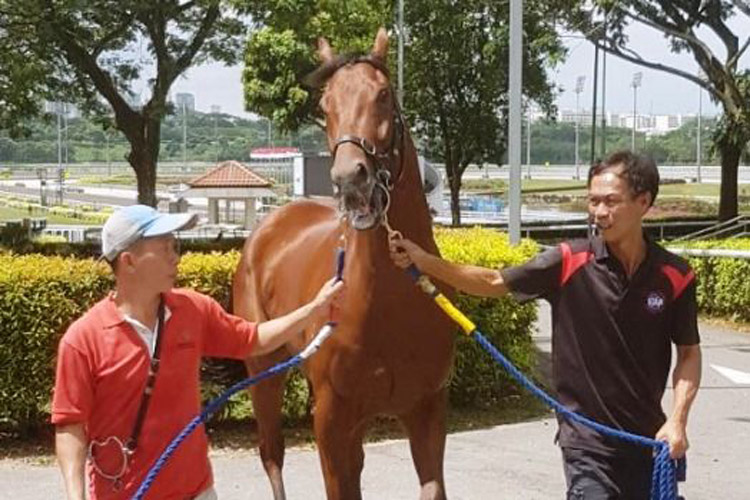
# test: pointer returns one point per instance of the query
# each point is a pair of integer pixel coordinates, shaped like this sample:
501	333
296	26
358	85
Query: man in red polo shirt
128	370
619	301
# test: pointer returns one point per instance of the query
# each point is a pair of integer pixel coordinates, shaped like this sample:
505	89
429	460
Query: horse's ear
325	52
380	49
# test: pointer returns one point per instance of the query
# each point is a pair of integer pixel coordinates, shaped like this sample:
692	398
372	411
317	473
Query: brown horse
392	351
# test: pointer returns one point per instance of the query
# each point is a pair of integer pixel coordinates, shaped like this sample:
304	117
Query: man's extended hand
405	253
675	435
329	296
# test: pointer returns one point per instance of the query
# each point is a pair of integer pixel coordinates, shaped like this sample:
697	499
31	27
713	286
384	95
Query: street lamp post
528	143
401	53
215	110
698	151
184	135
515	82
579	88
109	164
635	84
42	174
58	111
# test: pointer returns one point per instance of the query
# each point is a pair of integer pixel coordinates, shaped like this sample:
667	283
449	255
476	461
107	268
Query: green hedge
476	378
92	249
42	295
723	283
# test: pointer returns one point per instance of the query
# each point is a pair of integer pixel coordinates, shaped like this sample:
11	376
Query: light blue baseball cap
130	224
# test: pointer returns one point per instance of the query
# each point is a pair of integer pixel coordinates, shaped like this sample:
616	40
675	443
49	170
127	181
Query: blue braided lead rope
209	410
663	484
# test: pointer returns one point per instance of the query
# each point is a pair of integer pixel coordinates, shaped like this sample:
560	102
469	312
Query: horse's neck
409	212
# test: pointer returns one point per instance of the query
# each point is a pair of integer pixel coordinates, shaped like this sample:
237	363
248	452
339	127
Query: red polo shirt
102	367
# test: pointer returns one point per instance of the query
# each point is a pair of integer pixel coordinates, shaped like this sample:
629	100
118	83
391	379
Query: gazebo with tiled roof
230	181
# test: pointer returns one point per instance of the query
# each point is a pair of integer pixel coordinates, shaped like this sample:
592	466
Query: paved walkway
509	462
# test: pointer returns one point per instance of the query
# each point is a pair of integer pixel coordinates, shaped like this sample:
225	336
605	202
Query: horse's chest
390	370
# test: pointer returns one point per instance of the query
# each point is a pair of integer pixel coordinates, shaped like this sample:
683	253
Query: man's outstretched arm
474	280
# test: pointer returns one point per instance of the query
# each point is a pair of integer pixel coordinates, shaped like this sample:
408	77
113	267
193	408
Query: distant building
583	116
268	153
646	123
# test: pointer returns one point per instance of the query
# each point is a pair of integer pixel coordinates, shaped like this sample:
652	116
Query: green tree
456	66
457	77
281	52
92	53
728	84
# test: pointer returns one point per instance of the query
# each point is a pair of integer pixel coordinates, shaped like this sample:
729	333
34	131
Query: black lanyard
153	370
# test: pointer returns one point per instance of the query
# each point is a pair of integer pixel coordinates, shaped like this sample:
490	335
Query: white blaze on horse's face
359	108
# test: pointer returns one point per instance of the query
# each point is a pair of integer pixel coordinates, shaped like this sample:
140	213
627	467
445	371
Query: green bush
476	379
723	286
92	249
42	295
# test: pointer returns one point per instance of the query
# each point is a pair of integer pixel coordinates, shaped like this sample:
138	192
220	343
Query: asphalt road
515	461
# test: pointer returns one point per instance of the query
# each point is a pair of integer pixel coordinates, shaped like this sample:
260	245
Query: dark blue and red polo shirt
612	336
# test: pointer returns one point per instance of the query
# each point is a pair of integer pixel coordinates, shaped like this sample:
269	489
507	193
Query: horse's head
364	128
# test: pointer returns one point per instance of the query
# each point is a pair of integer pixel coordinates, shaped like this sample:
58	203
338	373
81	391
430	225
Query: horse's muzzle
363	204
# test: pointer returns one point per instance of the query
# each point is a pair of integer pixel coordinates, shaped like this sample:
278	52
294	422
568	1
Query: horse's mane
320	76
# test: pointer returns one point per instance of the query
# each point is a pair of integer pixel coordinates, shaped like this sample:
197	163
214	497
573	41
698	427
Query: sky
660	92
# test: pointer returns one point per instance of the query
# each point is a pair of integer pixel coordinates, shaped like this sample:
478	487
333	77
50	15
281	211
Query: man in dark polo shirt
619	301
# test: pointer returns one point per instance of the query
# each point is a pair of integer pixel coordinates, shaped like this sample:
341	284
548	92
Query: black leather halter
384	160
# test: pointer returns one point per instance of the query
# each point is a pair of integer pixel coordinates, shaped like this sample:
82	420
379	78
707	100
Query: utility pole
514	120
593	106
637	77
579	88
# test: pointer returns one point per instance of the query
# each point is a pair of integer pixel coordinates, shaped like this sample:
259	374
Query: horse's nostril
361	172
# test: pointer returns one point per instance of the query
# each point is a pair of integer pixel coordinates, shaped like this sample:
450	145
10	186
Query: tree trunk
454	181
143	157
730	161
145	174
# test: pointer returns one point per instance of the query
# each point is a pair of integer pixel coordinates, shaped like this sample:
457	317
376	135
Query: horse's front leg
339	433
267	398
425	425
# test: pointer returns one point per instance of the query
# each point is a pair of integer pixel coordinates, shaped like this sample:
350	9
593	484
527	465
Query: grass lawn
563	186
8	213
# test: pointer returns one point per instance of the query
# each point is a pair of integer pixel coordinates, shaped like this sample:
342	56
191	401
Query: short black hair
639	171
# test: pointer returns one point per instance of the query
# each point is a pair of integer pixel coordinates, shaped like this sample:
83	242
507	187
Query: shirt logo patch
655	302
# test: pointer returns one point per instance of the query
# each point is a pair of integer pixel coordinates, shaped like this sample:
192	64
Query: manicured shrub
723	283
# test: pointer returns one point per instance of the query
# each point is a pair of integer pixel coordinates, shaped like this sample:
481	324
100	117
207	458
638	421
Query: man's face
613	208
153	262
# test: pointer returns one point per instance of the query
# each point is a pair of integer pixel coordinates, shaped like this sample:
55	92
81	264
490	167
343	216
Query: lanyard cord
132	442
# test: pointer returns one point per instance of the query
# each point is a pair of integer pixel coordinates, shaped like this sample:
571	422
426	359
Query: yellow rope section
465	323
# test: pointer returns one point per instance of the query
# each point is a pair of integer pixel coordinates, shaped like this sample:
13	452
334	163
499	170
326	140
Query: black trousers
594	476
